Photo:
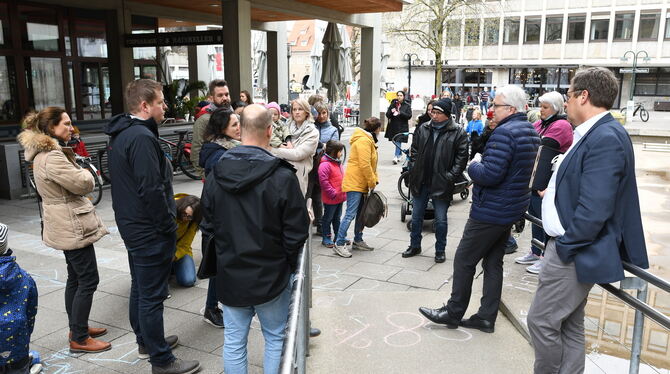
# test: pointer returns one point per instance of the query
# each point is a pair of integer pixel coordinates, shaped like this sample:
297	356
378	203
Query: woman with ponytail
70	221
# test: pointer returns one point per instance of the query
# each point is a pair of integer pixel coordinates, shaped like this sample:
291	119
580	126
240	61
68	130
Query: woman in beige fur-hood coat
70	219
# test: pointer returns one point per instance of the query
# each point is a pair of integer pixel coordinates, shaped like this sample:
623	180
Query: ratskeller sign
174	38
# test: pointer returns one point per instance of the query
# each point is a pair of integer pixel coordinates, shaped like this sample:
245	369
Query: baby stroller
461	187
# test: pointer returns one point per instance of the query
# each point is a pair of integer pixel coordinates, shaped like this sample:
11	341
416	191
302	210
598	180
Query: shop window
649	24
553	29
654	83
453	31
623	26
144	25
45	82
663	88
576	25
532	31
599	28
8	94
91	37
491	31
667	26
471	32
511	31
40	28
5	39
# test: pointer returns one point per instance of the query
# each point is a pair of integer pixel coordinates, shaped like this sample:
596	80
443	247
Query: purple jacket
559	130
330	179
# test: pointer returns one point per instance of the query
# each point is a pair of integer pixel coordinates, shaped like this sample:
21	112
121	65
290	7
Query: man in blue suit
591	212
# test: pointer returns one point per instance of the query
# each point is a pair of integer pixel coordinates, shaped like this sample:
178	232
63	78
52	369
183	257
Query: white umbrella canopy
262	62
331	77
345	58
314	80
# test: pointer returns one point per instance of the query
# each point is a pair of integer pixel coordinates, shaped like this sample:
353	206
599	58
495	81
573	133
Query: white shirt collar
582	129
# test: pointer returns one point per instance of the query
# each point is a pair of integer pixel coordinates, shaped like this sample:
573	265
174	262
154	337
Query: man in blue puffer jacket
500	197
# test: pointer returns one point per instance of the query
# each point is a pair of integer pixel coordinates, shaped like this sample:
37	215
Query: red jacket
330	179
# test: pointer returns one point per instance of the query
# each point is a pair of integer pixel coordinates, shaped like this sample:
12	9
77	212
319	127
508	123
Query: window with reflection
8	105
553	29
654	83
453	31
40	28
667	27
623	26
491	31
45	82
649	24
472	32
90	35
5	39
599	28
511	31
576	25
532	31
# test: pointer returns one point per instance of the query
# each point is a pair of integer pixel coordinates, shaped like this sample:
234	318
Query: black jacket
141	175
451	157
253	205
399	123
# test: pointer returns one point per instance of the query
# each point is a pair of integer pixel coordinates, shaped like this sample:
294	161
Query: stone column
370	65
277	64
237	45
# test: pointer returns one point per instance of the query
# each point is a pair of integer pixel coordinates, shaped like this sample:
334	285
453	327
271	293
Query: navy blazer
598	205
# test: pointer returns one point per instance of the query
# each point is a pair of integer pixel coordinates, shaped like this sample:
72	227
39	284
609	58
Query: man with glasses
591	214
500	197
438	156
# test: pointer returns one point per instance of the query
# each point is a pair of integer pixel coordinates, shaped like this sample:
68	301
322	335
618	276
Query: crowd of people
266	177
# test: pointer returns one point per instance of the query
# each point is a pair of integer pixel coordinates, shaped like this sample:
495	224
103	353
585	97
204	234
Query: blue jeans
272	316
484	106
535	209
353	208
419	204
331	217
149	273
184	271
398	152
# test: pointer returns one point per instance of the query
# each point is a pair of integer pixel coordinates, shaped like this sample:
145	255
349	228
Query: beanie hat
443	105
489	114
4	231
273	105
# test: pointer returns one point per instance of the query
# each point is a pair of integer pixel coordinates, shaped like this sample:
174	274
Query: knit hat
443	105
489	114
4	231
273	105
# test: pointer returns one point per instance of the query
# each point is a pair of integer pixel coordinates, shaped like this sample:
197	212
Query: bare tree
428	23
355	53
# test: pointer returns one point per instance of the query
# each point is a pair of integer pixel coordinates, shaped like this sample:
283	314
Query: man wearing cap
438	156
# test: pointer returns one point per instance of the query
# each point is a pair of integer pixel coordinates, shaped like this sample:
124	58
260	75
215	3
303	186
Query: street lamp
635	57
408	57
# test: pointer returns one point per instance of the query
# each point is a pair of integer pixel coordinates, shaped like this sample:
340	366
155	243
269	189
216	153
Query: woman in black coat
399	114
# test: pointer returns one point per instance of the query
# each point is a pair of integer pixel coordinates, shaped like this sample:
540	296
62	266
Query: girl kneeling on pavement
70	222
360	177
330	179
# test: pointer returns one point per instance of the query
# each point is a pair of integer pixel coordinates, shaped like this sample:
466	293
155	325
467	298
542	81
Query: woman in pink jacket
330	179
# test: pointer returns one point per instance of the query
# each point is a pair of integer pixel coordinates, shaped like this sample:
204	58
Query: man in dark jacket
145	211
438	156
591	212
253	203
500	197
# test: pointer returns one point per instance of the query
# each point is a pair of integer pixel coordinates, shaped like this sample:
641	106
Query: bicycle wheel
186	166
644	115
403	185
96	195
102	166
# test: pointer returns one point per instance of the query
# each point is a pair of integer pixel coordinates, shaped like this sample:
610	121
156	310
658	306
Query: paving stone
373	271
425	279
423	263
365	284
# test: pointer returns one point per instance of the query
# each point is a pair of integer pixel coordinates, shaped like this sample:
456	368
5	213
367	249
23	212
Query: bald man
254	207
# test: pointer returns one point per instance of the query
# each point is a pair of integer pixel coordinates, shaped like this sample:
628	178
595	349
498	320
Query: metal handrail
638	303
295	349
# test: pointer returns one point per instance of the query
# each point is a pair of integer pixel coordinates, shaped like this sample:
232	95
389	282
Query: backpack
374	208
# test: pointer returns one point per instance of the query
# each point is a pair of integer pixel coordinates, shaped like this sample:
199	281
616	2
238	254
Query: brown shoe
90	345
93	332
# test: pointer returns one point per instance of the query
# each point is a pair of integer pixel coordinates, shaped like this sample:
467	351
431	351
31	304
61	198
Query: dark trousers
314	192
486	242
211	302
149	272
331	218
82	281
535	209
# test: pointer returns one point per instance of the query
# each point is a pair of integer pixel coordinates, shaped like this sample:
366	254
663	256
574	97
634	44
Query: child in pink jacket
330	179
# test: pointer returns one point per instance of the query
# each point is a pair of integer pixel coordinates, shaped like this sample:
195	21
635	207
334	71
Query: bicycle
95	196
639	107
180	157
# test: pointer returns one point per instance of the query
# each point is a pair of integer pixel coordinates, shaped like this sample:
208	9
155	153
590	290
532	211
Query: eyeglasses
573	93
499	105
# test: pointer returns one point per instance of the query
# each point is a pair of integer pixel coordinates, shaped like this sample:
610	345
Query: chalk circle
325	301
451	334
404	329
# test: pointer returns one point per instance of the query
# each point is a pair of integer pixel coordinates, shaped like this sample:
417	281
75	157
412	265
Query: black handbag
207	267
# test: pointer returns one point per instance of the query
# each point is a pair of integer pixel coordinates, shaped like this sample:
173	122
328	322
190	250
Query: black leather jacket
451	157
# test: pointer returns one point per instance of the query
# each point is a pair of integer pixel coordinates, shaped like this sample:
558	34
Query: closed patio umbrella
314	81
331	77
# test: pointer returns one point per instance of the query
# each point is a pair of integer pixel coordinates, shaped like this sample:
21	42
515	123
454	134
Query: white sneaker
535	268
529	259
342	251
395	160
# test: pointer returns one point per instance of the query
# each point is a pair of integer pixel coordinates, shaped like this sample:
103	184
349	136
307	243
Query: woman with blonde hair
301	145
70	222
